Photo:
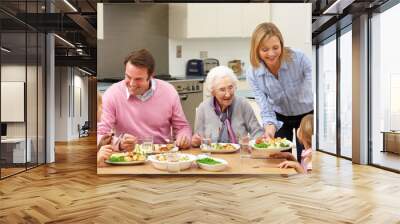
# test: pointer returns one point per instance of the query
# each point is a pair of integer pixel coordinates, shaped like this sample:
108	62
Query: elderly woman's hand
196	140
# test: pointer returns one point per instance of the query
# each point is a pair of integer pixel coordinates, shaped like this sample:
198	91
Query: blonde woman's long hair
262	31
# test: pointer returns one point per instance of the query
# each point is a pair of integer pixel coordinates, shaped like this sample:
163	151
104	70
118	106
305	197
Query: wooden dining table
236	165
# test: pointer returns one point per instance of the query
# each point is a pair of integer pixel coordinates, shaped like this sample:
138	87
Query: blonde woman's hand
269	131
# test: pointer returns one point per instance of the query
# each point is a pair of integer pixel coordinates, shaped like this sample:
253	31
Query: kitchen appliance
191	94
209	63
236	66
194	67
165	77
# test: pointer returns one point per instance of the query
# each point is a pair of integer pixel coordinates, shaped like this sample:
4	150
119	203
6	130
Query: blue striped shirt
289	95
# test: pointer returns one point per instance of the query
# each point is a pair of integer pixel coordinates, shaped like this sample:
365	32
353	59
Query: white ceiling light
84	71
65	41
338	6
70	5
5	50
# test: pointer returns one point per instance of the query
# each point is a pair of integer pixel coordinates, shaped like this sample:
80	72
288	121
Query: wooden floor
69	191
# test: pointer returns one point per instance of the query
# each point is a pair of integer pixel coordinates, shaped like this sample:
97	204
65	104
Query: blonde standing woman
280	78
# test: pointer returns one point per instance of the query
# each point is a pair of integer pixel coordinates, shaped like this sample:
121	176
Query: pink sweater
153	117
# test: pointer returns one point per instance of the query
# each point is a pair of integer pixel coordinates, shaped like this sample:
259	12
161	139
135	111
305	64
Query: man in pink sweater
141	106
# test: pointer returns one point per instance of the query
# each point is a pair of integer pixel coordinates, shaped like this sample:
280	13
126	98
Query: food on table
165	148
274	143
172	158
208	161
219	146
127	157
211	163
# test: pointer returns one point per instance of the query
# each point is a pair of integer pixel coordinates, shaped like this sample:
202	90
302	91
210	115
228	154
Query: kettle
209	63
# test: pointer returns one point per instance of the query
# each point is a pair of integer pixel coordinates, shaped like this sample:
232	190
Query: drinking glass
245	148
147	144
173	164
205	142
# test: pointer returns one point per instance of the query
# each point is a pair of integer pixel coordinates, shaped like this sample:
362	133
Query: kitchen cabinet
216	20
293	22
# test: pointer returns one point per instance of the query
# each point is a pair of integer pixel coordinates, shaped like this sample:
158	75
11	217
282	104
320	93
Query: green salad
208	161
262	145
273	143
117	158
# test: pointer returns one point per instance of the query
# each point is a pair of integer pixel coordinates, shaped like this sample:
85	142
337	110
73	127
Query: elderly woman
224	116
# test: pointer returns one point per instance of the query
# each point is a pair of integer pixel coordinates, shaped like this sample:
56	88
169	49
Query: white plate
126	163
213	150
214	168
265	152
163	165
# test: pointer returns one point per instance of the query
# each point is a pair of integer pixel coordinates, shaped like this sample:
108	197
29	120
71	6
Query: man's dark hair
141	58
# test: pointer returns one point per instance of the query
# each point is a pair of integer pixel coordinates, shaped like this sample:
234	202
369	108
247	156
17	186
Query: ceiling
76	22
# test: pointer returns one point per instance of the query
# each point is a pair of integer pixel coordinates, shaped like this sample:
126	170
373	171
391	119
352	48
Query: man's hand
183	142
127	142
105	140
196	140
104	153
269	131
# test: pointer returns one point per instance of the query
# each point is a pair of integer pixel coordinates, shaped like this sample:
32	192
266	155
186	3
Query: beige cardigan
243	120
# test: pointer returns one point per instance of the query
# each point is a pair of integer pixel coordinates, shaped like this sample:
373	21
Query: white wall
17	73
294	22
296	31
70	84
223	49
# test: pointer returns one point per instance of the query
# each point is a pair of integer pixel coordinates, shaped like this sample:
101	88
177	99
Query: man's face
137	79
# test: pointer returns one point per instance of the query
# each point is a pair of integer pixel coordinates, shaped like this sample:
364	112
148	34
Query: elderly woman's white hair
217	74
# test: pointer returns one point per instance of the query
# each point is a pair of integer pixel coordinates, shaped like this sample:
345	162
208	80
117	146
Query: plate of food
165	160
263	148
126	158
158	148
221	148
211	163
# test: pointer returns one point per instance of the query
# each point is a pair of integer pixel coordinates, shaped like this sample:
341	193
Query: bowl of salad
211	163
263	148
165	160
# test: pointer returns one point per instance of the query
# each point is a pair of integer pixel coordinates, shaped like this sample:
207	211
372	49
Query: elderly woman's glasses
224	90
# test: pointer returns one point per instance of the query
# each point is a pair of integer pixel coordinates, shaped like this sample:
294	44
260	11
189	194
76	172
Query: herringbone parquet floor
69	191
